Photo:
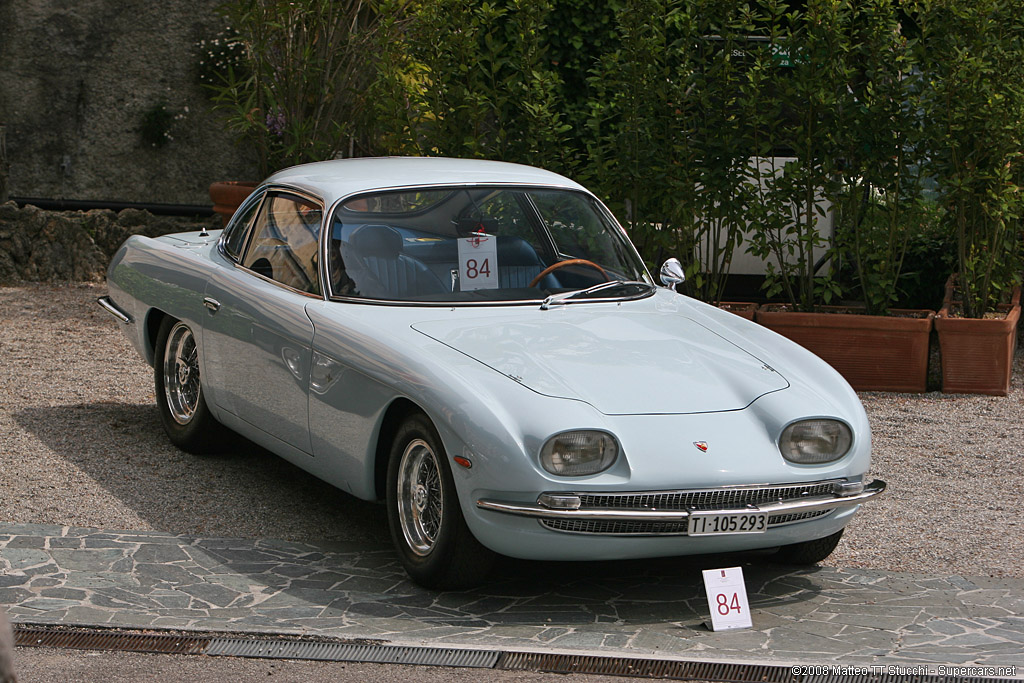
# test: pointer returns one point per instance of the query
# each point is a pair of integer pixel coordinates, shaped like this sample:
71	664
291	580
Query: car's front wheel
809	552
434	544
179	391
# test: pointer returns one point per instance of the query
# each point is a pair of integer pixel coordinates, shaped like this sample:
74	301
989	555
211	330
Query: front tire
808	552
428	530
179	392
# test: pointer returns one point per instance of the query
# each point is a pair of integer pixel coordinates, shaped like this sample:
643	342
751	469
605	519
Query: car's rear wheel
179	391
434	544
808	552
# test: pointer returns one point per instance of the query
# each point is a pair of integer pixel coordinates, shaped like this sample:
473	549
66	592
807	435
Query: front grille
616	528
779	520
700	499
707	499
604	526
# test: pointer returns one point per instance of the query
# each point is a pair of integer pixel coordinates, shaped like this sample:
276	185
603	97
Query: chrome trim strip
466	304
113	310
802	505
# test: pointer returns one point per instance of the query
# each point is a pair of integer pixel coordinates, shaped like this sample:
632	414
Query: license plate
714	524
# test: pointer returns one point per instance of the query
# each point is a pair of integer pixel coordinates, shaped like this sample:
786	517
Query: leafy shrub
973	103
483	89
297	92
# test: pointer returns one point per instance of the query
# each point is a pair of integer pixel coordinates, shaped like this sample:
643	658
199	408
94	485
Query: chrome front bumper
806	504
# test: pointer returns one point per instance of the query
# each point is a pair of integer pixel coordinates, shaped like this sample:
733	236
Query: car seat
378	250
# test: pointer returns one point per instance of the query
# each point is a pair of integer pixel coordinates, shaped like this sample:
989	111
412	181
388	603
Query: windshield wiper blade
563	297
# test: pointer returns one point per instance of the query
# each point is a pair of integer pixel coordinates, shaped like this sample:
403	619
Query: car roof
332	180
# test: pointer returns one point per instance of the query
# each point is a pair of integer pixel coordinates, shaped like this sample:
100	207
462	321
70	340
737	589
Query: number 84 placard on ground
727	599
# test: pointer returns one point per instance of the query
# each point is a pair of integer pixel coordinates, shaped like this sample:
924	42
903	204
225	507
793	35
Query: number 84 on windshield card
478	262
727	599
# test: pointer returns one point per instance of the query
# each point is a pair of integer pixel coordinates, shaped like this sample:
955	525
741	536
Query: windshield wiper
564	297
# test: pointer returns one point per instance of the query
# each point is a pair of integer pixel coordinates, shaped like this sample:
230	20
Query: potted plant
977	353
874	345
849	131
972	57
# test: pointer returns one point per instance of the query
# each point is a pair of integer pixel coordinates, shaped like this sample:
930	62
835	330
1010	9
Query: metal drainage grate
80	639
348	652
283	648
646	668
883	677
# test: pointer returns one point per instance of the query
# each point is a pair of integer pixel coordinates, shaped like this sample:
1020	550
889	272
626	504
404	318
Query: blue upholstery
378	249
518	263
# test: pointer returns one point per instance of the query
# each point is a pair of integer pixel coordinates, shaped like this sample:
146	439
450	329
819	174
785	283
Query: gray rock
65	246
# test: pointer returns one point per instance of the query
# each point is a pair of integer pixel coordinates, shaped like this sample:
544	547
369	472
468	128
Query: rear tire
808	552
428	530
179	392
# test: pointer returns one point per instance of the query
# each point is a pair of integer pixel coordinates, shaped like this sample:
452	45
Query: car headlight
814	442
578	453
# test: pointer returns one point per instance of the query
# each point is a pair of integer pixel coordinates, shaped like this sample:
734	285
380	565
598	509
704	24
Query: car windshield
480	244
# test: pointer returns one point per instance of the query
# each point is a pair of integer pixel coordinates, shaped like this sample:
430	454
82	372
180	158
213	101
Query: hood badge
702	446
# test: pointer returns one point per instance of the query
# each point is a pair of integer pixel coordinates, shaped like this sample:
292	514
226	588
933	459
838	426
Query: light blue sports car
479	345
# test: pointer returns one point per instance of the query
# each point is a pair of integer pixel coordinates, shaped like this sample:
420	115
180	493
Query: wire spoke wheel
425	519
181	374
420	497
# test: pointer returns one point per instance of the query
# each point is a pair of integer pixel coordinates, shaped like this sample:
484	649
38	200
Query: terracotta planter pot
743	309
228	195
977	354
873	352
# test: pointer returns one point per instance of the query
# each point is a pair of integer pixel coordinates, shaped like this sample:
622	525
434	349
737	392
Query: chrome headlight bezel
815	441
563	454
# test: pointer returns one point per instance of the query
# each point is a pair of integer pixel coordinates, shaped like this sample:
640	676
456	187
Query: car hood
620	360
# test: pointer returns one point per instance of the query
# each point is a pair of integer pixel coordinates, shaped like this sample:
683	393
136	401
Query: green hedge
904	117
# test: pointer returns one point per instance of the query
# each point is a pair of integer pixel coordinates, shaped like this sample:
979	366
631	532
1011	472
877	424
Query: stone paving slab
89	577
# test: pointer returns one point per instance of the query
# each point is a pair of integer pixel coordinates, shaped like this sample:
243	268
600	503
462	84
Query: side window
284	243
238	230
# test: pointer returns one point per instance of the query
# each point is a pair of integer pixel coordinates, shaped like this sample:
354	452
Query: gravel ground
81	445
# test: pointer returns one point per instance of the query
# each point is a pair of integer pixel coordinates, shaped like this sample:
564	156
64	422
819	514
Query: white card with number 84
727	598
478	263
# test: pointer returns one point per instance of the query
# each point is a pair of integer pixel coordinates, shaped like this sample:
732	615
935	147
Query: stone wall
74	246
75	81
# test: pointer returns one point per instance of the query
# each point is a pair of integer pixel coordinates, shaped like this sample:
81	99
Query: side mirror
672	273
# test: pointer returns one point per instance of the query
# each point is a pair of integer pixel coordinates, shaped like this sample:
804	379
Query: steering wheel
562	264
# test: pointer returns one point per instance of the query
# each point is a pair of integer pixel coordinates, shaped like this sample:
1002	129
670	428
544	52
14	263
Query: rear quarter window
238	229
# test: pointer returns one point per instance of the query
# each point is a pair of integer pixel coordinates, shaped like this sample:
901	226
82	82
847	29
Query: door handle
211	303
